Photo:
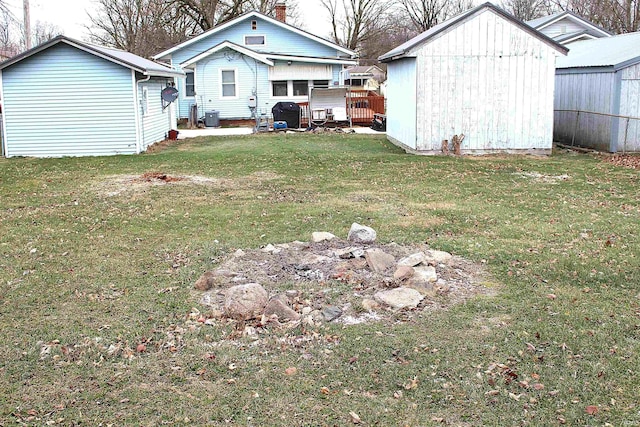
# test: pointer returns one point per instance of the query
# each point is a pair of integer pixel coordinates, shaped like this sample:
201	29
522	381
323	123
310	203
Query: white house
70	98
598	94
483	74
566	27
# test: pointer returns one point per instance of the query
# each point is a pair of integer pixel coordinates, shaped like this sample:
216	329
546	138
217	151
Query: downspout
615	111
5	146
139	124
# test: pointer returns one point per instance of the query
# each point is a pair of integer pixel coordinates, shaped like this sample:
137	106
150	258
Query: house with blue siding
245	66
70	98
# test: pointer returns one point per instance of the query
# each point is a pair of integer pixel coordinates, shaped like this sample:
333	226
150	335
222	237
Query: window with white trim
228	83
294	88
255	40
190	83
300	87
279	88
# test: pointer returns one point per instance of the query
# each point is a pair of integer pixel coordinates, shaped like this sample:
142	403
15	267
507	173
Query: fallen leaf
551	296
232	366
141	348
538	386
591	410
411	384
291	371
355	418
324	390
515	397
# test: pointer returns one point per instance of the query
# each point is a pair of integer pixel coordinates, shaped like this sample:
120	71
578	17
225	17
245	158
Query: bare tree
424	14
526	10
617	16
354	22
143	27
44	31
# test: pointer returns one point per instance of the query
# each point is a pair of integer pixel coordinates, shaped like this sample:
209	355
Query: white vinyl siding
66	102
157	122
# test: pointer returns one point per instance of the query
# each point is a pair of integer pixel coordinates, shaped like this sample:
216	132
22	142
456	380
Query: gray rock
349	252
378	260
403	272
271	249
361	234
245	302
425	288
369	304
321	236
424	274
413	259
205	282
279	308
438	257
399	298
214	278
331	313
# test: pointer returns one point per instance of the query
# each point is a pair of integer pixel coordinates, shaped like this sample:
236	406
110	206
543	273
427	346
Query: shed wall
65	102
629	135
489	79
402	102
156	122
584	92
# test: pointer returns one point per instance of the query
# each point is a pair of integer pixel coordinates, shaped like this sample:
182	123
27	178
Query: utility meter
252	101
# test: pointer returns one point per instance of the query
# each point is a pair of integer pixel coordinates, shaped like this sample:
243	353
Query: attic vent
254	25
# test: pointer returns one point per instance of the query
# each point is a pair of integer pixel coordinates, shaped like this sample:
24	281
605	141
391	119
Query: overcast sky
71	15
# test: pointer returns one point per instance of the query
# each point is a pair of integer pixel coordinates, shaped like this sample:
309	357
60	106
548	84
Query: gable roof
117	56
543	22
574	36
228	45
248	15
615	52
403	50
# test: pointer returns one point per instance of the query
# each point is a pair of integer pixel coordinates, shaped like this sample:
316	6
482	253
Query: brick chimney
281	12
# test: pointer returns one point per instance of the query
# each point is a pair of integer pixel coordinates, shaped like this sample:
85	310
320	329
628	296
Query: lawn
96	266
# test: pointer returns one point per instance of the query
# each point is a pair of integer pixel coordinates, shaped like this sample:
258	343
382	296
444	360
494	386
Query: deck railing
364	104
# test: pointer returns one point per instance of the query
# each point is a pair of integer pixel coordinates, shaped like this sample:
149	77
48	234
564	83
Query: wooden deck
362	105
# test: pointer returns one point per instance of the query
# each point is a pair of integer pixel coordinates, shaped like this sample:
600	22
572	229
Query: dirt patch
539	177
333	278
116	185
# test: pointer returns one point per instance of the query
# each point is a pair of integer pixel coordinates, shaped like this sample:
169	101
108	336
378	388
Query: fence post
626	132
575	128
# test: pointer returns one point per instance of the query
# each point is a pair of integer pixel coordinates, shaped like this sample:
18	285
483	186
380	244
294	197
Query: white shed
598	94
483	74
